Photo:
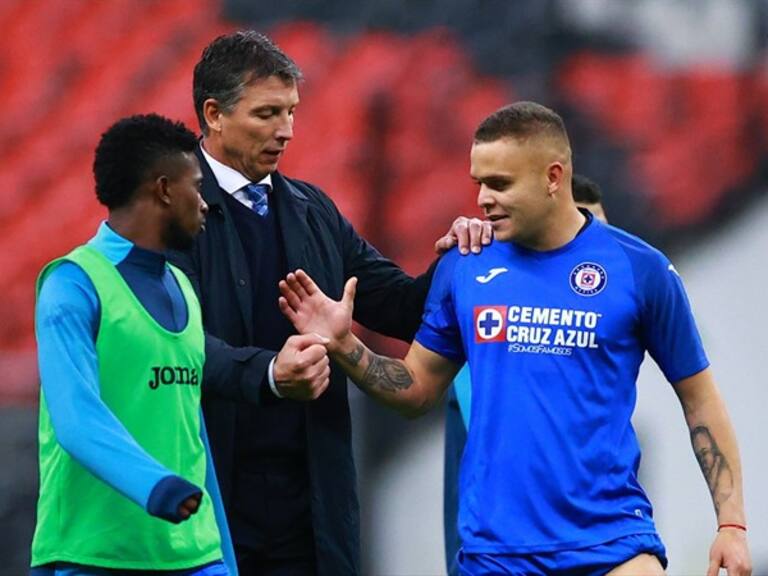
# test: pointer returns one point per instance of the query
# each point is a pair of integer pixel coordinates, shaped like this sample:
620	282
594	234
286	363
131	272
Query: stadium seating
384	126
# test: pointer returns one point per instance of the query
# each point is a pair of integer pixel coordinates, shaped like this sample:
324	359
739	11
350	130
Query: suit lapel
233	251
292	206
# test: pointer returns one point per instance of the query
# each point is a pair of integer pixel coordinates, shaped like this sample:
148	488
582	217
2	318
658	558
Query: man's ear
212	113
555	174
161	187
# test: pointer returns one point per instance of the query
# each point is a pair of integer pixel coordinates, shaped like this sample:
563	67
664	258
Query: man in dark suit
284	464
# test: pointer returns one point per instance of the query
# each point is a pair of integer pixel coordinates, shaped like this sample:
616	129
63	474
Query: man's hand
469	233
311	311
189	506
302	370
730	551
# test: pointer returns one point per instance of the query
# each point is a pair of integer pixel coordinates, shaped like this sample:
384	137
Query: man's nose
484	199
285	129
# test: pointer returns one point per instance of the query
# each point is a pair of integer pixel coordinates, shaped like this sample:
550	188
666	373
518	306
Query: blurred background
666	102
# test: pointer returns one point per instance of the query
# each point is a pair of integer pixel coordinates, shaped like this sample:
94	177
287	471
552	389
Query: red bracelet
739	526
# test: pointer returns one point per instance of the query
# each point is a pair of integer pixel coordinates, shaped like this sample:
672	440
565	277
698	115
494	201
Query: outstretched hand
730	551
311	311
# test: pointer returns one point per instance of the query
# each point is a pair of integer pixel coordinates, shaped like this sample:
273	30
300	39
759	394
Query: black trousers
255	563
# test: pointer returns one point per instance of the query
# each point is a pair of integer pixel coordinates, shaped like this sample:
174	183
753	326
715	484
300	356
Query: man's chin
502	233
180	241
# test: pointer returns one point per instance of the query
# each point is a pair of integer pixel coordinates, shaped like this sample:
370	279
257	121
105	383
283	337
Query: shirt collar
229	179
117	248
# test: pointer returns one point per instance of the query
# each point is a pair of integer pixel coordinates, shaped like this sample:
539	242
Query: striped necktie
257	194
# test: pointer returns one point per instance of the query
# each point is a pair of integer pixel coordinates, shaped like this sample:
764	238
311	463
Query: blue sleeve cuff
167	495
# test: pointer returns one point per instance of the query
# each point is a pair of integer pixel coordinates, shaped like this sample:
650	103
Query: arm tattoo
354	357
386	374
713	464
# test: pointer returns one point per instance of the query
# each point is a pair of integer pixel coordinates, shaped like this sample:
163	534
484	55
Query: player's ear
161	189
555	175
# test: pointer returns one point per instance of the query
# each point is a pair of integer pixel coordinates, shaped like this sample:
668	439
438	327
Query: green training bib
150	379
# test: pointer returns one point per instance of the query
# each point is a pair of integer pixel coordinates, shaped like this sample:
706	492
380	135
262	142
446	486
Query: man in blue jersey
554	319
586	194
127	483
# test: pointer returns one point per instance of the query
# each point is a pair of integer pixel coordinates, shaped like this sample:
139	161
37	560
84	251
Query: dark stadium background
667	105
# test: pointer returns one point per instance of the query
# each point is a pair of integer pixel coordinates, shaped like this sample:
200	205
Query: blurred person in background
277	411
554	319
126	482
586	194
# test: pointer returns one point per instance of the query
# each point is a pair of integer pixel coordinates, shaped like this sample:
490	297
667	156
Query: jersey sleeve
668	326
439	330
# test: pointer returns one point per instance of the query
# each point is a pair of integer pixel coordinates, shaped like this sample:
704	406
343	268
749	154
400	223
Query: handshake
302	367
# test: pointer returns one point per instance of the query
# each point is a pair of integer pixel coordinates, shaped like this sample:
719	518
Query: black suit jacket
318	239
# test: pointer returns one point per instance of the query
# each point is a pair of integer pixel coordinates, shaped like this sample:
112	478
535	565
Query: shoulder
652	273
61	275
454	265
449	262
65	288
306	192
300	188
641	255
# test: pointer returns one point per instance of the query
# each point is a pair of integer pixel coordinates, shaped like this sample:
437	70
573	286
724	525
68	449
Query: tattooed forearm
386	374
714	465
354	357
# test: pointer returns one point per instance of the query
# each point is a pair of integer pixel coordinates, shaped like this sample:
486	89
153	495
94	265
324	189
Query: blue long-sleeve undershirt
67	323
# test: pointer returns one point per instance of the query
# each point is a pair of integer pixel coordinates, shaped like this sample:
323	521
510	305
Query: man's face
513	183
253	136
187	207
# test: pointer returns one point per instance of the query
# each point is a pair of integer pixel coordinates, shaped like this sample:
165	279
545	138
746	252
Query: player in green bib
126	482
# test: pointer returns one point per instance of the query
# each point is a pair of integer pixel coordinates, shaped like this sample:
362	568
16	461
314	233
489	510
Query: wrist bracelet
739	526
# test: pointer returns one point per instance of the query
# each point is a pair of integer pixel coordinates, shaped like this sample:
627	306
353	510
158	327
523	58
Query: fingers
444	244
287	310
713	568
475	232
487	233
300	342
295	285
306	282
350	289
460	230
312	355
189	506
470	234
290	295
308	380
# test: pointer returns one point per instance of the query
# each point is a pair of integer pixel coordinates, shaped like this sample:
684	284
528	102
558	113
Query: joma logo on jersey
168	375
490	322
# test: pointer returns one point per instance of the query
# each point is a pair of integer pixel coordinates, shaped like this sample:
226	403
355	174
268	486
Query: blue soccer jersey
554	341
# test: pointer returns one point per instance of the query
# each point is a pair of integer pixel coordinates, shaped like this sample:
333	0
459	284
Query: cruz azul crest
588	279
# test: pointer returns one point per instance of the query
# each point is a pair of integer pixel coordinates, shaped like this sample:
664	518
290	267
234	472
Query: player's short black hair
231	62
585	190
521	120
129	150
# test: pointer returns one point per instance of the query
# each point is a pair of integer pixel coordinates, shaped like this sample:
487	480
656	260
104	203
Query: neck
558	230
140	230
